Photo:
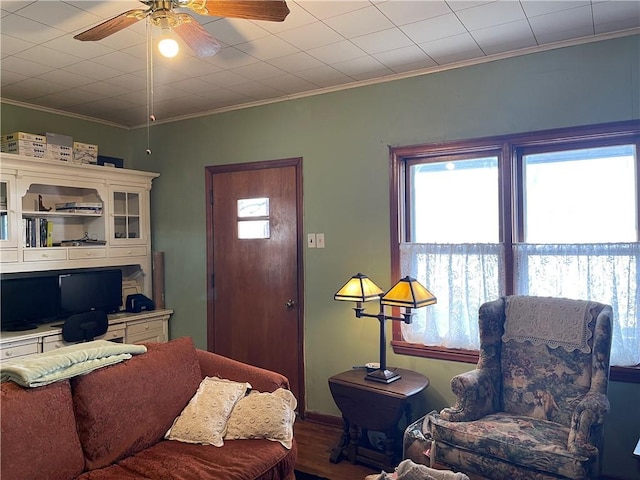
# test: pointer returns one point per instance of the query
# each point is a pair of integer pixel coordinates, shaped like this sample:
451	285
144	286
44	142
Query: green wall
112	141
344	138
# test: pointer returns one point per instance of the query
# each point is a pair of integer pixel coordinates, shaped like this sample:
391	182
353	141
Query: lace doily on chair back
555	322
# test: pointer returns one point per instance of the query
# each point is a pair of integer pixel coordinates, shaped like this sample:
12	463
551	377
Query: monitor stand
19	327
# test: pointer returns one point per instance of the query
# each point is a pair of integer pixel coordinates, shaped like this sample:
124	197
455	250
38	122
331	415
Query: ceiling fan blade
194	35
112	25
274	11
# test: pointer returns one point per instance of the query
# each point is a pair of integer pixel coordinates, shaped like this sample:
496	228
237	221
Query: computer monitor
90	290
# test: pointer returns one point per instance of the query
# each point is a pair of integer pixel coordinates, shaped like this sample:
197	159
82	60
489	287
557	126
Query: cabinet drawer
7	256
10	352
138	251
44	254
113	335
148	337
144	327
83	252
53	342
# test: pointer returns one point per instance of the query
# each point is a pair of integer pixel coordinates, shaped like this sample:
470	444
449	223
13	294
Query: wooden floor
315	440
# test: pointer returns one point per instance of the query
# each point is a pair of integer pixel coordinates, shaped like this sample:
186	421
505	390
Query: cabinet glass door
4	211
8	222
126	215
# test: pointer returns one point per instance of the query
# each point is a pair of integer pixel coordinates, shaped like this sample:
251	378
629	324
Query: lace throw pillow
204	419
264	415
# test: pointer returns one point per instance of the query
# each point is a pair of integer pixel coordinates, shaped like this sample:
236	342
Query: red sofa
110	423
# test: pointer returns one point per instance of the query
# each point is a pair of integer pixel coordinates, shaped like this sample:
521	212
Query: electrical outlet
311	240
319	240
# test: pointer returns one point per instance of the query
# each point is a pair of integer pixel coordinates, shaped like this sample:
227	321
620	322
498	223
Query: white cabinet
149	326
117	233
19	348
104	222
115	333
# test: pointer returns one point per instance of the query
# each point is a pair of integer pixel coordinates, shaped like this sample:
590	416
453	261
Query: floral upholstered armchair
535	405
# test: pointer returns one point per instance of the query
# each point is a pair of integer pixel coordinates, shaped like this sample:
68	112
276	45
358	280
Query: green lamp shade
359	288
408	293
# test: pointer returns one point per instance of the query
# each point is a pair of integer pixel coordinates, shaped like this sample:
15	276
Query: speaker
157	269
139	303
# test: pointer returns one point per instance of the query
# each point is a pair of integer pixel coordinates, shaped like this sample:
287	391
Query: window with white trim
553	213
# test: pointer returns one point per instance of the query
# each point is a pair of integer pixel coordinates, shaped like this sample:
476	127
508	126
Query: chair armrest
589	414
262	380
476	394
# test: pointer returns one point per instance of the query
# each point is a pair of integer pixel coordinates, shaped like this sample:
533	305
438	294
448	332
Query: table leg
389	446
354	440
336	452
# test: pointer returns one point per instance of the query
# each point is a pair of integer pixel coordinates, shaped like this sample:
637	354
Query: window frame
509	149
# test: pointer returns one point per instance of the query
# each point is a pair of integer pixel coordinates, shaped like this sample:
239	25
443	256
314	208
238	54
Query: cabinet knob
7	353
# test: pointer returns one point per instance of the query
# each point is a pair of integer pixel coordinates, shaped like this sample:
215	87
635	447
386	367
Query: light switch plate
311	240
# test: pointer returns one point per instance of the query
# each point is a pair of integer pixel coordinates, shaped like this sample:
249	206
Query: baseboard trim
322	418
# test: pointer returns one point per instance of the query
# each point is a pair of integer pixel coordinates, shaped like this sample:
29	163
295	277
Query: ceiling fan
161	14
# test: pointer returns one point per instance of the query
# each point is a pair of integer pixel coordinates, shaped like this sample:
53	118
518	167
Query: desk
372	406
146	326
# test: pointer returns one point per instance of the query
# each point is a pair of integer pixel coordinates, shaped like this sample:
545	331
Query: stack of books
79	207
38	232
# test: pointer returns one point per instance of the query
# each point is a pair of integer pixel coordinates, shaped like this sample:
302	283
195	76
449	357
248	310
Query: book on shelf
49	234
38	232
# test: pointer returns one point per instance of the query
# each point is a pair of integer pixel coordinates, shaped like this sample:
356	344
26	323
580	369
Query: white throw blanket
66	362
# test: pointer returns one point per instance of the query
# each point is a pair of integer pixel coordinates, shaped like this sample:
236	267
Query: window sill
616	374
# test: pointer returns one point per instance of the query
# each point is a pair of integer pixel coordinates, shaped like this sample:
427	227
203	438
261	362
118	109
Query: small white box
24	144
53	148
23	147
85	156
85	146
31	137
59	152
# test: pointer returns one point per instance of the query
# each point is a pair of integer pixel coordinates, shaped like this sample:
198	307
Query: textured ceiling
321	45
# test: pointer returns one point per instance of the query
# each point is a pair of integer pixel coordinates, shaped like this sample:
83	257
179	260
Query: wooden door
255	284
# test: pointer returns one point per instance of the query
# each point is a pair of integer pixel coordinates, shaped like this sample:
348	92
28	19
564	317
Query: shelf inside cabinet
54	213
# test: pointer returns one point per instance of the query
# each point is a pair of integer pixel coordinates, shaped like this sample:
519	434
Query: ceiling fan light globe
168	47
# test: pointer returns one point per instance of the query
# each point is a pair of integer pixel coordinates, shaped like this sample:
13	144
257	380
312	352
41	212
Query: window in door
253	218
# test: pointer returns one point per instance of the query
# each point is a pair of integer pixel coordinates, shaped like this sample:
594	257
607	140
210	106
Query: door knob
289	304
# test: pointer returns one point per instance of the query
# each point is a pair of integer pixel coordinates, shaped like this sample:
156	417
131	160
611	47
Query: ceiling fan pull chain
150	115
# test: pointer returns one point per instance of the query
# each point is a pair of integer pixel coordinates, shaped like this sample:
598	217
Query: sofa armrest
589	415
262	380
476	397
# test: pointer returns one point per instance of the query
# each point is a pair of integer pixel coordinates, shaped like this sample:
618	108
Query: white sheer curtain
606	273
462	277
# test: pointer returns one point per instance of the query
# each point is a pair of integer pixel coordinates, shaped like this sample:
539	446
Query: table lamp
407	293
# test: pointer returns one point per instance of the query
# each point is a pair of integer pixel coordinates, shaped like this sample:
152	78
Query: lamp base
383	376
